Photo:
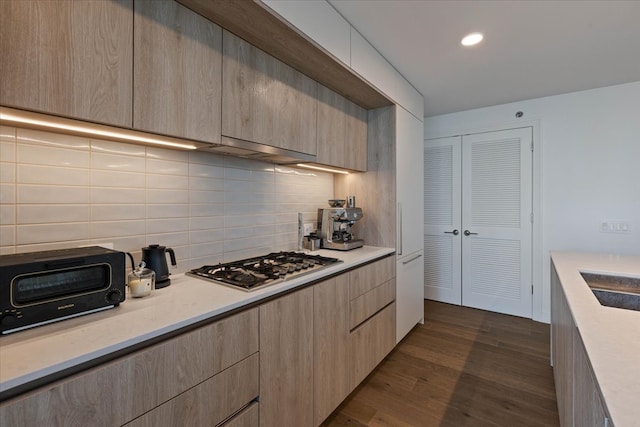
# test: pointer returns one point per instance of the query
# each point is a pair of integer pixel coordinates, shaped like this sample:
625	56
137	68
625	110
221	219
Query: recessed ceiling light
471	39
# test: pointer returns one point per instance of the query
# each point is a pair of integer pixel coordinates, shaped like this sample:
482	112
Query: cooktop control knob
114	296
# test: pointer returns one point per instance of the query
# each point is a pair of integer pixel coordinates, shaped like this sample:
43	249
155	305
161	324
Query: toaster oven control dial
9	318
114	296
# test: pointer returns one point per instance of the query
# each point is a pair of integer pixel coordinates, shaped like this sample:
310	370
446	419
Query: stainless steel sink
614	291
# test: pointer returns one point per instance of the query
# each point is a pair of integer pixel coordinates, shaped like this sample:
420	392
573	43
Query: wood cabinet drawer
249	417
366	305
370	276
119	391
210	402
371	342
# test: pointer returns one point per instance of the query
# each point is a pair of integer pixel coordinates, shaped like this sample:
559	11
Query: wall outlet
614	226
308	228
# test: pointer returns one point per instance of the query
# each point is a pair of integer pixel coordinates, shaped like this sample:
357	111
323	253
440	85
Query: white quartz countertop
611	336
34	354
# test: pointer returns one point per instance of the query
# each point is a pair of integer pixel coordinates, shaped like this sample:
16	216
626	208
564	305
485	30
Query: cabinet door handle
411	260
454	232
468	233
400	228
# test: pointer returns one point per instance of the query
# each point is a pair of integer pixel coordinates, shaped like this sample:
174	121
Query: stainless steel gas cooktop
253	273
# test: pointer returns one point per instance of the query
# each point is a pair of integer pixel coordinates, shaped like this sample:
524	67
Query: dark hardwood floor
463	367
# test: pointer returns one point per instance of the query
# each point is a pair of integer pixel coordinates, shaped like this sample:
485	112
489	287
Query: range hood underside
255	151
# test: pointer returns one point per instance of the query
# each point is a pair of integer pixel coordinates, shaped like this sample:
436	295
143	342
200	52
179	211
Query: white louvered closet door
442	218
496	210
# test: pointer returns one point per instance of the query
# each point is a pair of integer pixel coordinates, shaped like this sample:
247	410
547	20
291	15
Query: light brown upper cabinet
69	58
266	101
177	72
342	131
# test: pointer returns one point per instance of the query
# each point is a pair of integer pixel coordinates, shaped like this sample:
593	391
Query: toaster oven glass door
50	285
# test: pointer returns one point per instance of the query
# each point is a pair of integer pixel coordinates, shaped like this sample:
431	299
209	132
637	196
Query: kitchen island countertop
611	336
31	356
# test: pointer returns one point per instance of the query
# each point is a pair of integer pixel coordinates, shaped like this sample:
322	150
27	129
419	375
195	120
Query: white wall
59	191
590	167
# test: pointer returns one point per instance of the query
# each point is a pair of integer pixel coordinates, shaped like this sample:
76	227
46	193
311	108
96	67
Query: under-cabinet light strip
13	117
321	168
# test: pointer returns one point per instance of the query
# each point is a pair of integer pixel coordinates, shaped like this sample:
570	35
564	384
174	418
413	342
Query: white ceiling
530	49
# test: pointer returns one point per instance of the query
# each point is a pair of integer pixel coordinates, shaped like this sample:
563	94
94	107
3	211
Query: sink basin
614	291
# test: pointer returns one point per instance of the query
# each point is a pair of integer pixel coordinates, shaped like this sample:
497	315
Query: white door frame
536	241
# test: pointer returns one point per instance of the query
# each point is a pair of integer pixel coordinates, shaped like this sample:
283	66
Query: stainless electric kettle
155	259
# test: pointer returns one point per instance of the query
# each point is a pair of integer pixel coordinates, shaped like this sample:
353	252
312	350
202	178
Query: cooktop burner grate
251	273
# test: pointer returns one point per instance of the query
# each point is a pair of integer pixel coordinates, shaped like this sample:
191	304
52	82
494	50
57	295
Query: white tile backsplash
99	146
117	162
7	193
52	156
109	178
167	181
118	195
7	214
206	210
49	139
118	212
168	211
43	214
52	232
206	170
54	194
53	175
167	167
7	235
7	172
60	191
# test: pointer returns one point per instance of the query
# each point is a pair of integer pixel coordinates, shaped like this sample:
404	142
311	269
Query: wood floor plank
463	367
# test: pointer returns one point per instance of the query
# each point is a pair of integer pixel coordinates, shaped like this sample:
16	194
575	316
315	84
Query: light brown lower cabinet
330	345
210	402
286	360
120	391
310	360
580	403
297	354
248	417
562	350
371	342
588	409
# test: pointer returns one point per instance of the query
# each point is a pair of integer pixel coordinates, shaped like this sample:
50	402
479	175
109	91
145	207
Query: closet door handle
454	232
468	233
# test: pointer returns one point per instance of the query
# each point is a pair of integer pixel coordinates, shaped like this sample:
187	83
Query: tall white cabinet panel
496	217
409	249
409	182
477	208
321	22
443	220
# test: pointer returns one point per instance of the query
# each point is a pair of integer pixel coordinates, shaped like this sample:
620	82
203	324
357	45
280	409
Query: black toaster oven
42	287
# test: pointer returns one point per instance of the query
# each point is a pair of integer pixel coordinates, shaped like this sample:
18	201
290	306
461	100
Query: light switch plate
614	226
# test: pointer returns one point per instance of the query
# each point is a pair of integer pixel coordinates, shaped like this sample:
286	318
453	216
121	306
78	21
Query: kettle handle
133	263
172	255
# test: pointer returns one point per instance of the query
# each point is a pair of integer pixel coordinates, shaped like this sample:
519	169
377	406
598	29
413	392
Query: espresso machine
334	227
